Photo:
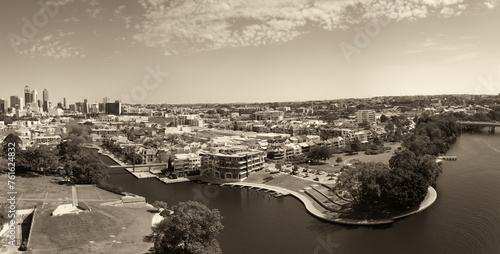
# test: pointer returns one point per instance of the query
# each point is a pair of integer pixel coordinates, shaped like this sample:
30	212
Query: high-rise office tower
34	96
45	97
4	104
104	101
85	106
114	108
27	95
65	103
15	102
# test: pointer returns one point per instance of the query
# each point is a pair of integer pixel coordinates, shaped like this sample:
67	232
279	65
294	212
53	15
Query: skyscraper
65	103
3	105
34	96
27	95
104	101
45	97
114	108
15	102
85	106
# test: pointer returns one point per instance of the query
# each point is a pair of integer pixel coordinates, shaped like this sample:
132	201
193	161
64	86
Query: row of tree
82	166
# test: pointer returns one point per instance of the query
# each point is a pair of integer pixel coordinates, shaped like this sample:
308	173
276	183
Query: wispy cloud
53	46
94	10
462	44
52	49
191	26
71	20
491	3
119	9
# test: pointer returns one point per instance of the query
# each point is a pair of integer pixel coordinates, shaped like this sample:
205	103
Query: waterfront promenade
319	212
312	205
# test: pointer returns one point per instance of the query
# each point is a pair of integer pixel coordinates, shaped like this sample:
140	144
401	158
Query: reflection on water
464	219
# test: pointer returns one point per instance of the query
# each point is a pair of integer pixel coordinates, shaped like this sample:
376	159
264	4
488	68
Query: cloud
190	26
70	20
94	10
119	9
444	43
52	49
491	4
52	46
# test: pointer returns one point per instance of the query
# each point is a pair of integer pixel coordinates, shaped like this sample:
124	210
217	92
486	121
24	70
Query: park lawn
72	233
328	167
86	192
112	230
280	180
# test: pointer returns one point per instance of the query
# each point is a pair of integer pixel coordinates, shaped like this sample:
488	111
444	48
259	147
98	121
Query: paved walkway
308	203
279	190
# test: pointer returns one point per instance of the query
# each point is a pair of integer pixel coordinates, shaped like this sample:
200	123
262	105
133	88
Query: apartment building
269	115
365	115
187	164
234	164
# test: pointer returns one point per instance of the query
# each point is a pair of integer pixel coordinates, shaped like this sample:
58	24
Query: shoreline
429	199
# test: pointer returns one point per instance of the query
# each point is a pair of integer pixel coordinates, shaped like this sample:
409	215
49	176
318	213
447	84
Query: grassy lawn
328	164
280	180
112	229
103	230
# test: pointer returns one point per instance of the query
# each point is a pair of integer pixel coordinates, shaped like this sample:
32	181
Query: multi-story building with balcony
187	164
234	164
365	116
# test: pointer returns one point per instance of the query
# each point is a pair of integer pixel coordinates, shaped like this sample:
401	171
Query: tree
3	165
425	166
192	228
356	146
320	153
339	159
70	148
11	141
376	190
11	145
383	118
161	206
80	130
86	168
364	125
4	207
42	158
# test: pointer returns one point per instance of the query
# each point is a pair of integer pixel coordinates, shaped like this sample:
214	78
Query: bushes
111	188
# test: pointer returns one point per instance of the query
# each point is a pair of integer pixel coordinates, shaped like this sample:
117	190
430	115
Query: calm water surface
464	219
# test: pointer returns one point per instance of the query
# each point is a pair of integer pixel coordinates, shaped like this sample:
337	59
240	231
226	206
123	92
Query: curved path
308	203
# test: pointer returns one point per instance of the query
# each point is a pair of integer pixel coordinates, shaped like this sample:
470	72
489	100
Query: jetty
447	158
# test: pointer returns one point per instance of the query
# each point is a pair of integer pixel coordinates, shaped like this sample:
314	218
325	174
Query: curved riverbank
314	211
311	209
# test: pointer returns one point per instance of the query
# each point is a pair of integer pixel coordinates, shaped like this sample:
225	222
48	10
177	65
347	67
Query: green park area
103	229
331	165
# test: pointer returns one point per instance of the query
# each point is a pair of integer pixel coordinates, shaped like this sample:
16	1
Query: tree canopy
86	168
192	228
320	153
377	190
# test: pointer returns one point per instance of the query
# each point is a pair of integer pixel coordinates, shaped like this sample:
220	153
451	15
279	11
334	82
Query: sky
227	51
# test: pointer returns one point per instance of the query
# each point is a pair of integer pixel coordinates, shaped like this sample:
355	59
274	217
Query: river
464	219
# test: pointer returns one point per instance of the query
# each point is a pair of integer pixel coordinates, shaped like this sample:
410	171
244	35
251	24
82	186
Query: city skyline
249	52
